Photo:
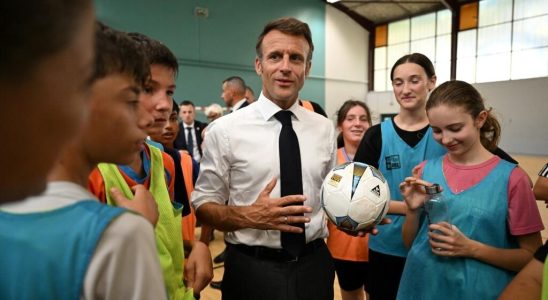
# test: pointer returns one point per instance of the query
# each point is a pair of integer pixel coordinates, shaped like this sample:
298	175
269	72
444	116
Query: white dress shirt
125	263
241	156
195	150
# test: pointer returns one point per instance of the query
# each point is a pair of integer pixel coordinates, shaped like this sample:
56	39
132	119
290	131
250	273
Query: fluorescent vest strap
189	221
544	294
340	156
307	104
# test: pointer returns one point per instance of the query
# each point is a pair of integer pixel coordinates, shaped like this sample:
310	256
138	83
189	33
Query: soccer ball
355	196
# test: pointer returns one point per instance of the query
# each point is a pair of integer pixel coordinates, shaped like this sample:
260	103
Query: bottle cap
434	189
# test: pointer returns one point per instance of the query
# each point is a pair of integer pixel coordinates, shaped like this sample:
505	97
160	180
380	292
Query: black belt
278	255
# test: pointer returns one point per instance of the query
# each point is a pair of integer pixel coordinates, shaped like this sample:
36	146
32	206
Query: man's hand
198	267
371	229
277	213
143	202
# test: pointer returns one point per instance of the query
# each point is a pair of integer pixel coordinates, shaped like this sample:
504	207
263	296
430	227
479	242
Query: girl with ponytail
495	223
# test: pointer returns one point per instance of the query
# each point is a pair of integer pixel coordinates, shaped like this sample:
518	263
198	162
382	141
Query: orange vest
306	104
341	245
189	221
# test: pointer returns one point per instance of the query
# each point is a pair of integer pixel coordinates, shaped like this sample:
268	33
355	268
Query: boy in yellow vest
186	173
155	170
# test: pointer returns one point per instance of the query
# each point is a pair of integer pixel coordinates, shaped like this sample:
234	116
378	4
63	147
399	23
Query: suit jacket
244	104
180	140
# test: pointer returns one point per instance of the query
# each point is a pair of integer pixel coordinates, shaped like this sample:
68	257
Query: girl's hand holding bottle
447	240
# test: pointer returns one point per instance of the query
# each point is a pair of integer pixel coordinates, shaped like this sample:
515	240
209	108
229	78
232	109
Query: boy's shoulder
129	233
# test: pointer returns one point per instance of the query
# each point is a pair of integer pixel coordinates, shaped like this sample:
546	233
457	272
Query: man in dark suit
234	93
190	131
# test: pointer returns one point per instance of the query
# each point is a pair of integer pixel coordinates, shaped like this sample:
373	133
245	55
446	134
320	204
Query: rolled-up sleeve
212	184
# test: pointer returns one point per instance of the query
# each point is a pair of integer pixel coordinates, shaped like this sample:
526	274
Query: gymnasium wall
345	60
212	48
520	105
222	44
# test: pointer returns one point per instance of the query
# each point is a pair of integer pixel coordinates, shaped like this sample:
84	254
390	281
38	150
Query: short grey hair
214	109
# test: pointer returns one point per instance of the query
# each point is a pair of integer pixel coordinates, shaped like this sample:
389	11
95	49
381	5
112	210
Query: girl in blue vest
394	147
495	224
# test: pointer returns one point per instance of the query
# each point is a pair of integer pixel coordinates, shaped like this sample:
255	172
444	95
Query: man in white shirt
190	131
242	163
234	93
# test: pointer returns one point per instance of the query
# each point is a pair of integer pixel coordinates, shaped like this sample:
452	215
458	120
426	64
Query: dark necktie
189	141
290	177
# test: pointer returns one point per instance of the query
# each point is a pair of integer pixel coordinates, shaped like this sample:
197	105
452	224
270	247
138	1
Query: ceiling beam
452	5
398	4
364	22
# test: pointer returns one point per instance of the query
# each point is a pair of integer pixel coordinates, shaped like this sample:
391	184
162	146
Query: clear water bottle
436	206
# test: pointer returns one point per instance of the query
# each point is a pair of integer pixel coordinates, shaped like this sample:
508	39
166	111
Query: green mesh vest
168	229
544	294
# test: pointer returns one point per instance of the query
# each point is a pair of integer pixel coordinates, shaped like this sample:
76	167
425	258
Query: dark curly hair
116	52
156	52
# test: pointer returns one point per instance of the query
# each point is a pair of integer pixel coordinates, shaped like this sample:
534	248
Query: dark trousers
384	275
311	277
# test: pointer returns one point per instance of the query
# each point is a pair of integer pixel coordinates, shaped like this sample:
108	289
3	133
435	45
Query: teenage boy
65	244
46	60
186	173
155	170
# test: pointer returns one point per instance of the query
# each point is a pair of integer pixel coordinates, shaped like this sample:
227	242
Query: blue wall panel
210	49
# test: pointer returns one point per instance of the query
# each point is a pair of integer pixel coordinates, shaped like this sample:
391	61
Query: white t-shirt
125	262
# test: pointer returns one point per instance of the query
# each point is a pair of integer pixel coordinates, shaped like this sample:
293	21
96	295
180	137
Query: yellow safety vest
544	294
168	231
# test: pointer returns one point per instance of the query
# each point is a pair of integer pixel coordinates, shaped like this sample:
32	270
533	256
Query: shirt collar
187	125
238	104
268	109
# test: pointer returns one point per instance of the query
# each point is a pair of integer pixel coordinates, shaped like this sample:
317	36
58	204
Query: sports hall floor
531	164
